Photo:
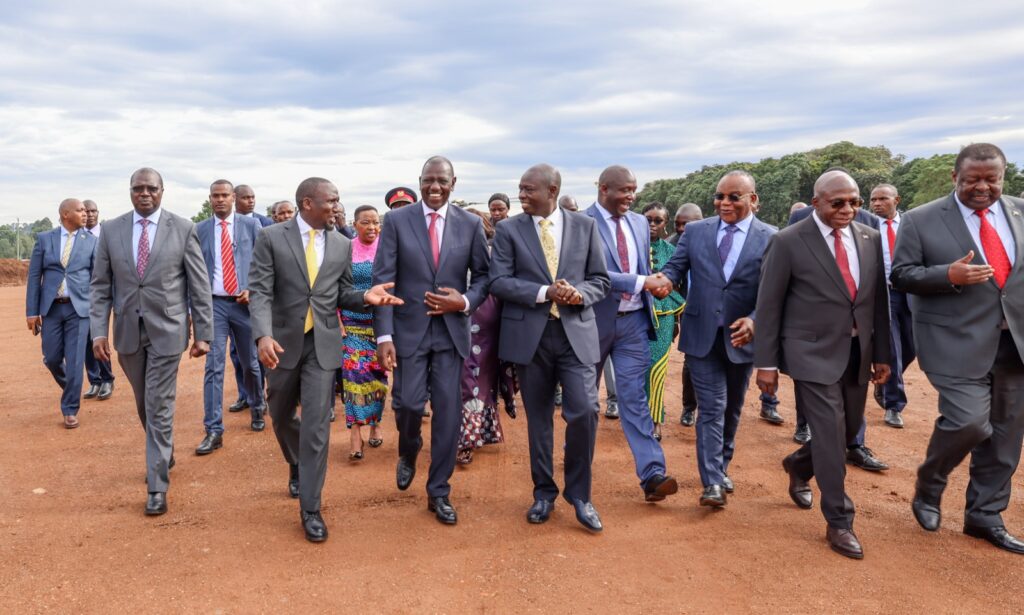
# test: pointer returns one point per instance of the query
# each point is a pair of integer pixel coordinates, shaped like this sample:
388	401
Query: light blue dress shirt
738	239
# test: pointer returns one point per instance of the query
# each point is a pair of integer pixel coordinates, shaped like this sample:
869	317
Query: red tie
623	250
227	260
995	253
844	264
891	234
435	246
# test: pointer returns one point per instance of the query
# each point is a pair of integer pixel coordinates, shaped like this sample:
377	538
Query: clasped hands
658	285
564	293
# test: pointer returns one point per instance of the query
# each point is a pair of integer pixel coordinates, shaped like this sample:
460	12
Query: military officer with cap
399	197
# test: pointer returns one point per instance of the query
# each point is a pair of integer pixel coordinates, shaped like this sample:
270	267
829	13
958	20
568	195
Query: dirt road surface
73	537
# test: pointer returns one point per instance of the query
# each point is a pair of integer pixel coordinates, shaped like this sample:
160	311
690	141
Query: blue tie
726	246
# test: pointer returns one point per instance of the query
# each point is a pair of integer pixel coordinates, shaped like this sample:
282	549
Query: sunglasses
735	197
840	203
144	189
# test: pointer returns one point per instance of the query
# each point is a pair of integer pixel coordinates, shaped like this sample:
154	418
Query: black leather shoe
171	463
894	419
334	416
878	397
728	485
713	495
611	411
799	491
844	542
210	443
314	526
405	472
258	422
802	435
864	458
94	390
540	511
658	487
106	390
156	503
443	510
293	480
928	515
238	406
587	515
688	418
996	535
771	415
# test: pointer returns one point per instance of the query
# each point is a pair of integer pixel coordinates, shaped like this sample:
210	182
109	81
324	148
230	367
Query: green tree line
786	180
12	234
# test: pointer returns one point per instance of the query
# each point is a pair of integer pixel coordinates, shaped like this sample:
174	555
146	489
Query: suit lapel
955	222
817	246
641	232
529	235
166	227
451	220
1016	221
55	244
711	239
606	235
418	227
293	238
755	235
865	257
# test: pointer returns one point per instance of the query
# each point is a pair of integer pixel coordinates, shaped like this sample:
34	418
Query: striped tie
227	261
65	256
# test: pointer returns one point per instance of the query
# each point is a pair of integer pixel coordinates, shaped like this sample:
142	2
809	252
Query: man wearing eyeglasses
149	270
823	319
721	256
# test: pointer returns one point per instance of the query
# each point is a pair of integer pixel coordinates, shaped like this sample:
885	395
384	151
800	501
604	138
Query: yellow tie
65	256
547	243
313	269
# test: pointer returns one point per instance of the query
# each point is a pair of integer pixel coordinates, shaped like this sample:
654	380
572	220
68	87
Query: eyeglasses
145	189
841	203
733	198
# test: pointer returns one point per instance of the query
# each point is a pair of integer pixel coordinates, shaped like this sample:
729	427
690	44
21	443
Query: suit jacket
280	295
174	279
956	328
244	243
518	270
404	257
621	281
264	221
45	272
709	296
804	312
863	216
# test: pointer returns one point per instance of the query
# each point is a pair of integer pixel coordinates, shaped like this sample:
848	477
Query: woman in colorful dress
365	381
665	311
484	377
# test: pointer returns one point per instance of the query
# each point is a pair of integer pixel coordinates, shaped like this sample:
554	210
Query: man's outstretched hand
379	295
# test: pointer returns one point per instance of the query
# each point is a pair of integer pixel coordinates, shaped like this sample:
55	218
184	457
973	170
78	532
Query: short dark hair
361	209
240	186
500	196
654	205
219	182
307	188
978	151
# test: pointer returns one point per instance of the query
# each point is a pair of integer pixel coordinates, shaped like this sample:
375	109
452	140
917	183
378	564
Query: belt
226	298
621	314
62	300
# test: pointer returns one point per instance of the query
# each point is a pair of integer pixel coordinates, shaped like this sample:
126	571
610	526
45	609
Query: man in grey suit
57	302
823	318
548	268
149	270
720	257
227	241
436	257
962	257
301	274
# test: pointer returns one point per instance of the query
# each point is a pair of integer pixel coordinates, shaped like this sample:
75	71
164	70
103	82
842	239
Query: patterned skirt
365	382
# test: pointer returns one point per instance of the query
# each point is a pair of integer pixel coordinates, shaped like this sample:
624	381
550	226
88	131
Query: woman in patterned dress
484	377
365	381
665	311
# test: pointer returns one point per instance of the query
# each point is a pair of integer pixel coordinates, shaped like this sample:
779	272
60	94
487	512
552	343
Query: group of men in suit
814	301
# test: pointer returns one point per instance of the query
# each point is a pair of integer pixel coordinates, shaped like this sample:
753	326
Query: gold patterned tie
313	269
65	256
547	243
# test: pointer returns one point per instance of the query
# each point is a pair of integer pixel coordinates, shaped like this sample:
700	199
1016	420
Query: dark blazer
264	221
404	257
607	308
45	272
280	296
518	270
863	216
804	311
246	230
709	295
956	328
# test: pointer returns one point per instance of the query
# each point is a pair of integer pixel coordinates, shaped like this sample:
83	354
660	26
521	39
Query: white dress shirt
846	235
95	231
556	229
151	228
997	219
635	301
885	242
218	268
739	237
321	240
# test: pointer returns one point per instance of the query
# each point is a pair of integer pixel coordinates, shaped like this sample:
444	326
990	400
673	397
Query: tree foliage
205	211
11	235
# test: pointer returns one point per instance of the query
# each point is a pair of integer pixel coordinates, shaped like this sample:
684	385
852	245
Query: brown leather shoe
799	491
844	542
70	421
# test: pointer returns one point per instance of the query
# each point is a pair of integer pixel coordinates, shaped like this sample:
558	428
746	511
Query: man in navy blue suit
227	241
100	373
722	256
57	302
625	321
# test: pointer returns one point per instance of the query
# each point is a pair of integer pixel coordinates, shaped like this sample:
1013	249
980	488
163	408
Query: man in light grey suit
301	274
962	257
548	268
149	270
823	318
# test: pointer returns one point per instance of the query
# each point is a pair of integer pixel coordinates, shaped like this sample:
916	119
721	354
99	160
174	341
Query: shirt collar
64	232
304	228
154	217
248	215
555	217
443	212
230	220
743	225
604	212
826	231
967	212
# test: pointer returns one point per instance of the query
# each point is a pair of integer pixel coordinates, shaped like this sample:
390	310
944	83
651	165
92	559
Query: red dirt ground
73	537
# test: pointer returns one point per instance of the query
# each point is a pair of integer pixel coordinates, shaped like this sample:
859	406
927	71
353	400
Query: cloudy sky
268	93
